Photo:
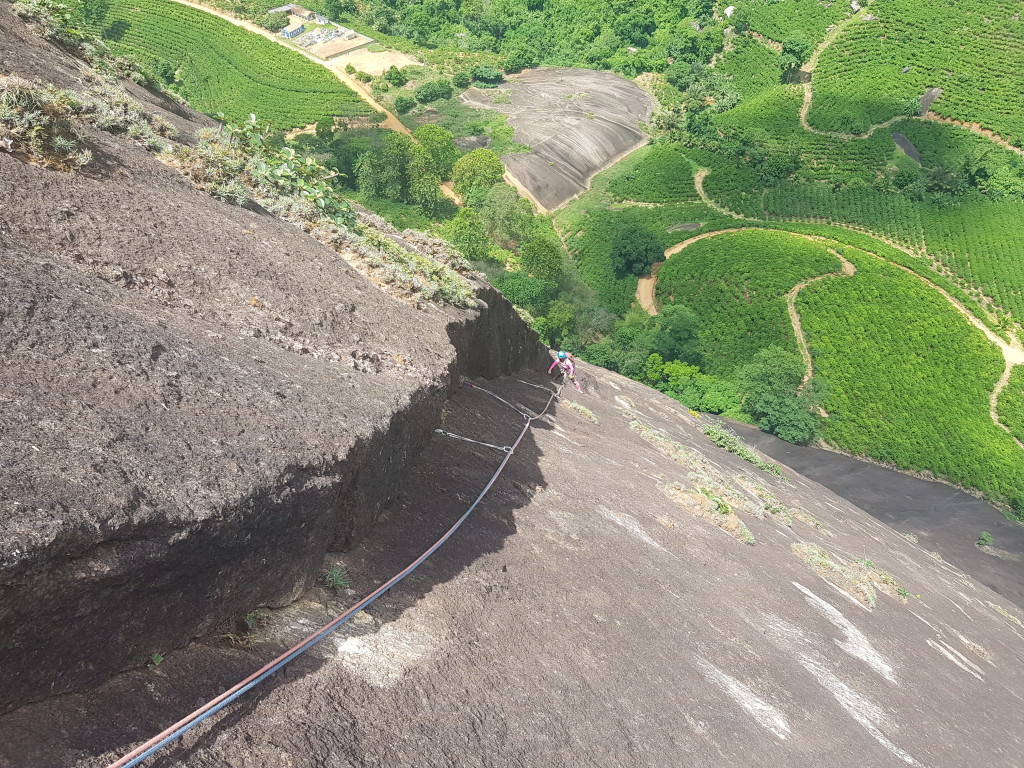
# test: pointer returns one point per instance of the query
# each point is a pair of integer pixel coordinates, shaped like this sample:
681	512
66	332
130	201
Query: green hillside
737	283
908	377
220	67
971	49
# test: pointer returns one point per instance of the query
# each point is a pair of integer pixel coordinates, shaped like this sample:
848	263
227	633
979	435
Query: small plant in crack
336	578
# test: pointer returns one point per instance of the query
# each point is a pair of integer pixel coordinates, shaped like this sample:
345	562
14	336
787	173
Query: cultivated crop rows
752	66
983	244
660	174
220	67
777	20
908	377
1011	404
879	67
737	283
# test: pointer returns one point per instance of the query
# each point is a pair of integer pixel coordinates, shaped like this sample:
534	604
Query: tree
486	74
519	54
797	49
635	26
424	183
461	79
475	173
561	320
368	180
338	9
530	293
404	103
433	90
542	258
325	129
770	388
395	76
393	166
634	249
467	233
508	217
440	144
274	22
676	335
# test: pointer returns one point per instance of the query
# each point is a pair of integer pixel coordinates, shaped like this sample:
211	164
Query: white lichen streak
631	524
382	659
855	644
952	654
764	713
859	707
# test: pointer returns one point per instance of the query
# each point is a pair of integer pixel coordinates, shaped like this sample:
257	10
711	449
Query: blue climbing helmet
562	355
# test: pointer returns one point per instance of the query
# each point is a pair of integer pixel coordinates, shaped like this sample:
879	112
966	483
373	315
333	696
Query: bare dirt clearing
577	121
374	62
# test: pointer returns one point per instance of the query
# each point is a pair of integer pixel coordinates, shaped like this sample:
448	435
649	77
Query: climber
565	363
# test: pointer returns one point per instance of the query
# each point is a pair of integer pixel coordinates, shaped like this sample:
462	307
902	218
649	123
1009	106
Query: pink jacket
566	364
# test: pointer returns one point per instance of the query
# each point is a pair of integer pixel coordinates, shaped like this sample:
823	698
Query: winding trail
336	67
646	285
847	270
805	107
1013	353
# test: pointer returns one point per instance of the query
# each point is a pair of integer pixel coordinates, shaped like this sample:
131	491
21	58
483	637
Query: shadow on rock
449	474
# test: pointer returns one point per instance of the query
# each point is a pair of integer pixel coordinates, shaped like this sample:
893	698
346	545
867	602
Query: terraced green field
737	283
782	21
220	67
908	377
1011	404
881	66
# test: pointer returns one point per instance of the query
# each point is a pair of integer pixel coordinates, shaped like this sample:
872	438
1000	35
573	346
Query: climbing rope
505	448
515	408
143	751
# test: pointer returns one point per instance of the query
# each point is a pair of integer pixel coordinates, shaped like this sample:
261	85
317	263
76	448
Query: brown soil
375	62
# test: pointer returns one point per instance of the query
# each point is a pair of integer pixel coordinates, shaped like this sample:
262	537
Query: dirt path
1013	352
391	122
847	270
805	108
993	401
974	128
337	68
646	285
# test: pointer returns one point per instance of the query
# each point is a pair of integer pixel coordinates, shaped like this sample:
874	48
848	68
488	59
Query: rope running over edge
162	739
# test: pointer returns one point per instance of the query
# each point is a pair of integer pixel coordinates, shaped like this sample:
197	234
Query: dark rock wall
197	402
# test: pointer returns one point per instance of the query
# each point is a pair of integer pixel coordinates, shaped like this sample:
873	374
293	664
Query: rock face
577	122
628	594
198	401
